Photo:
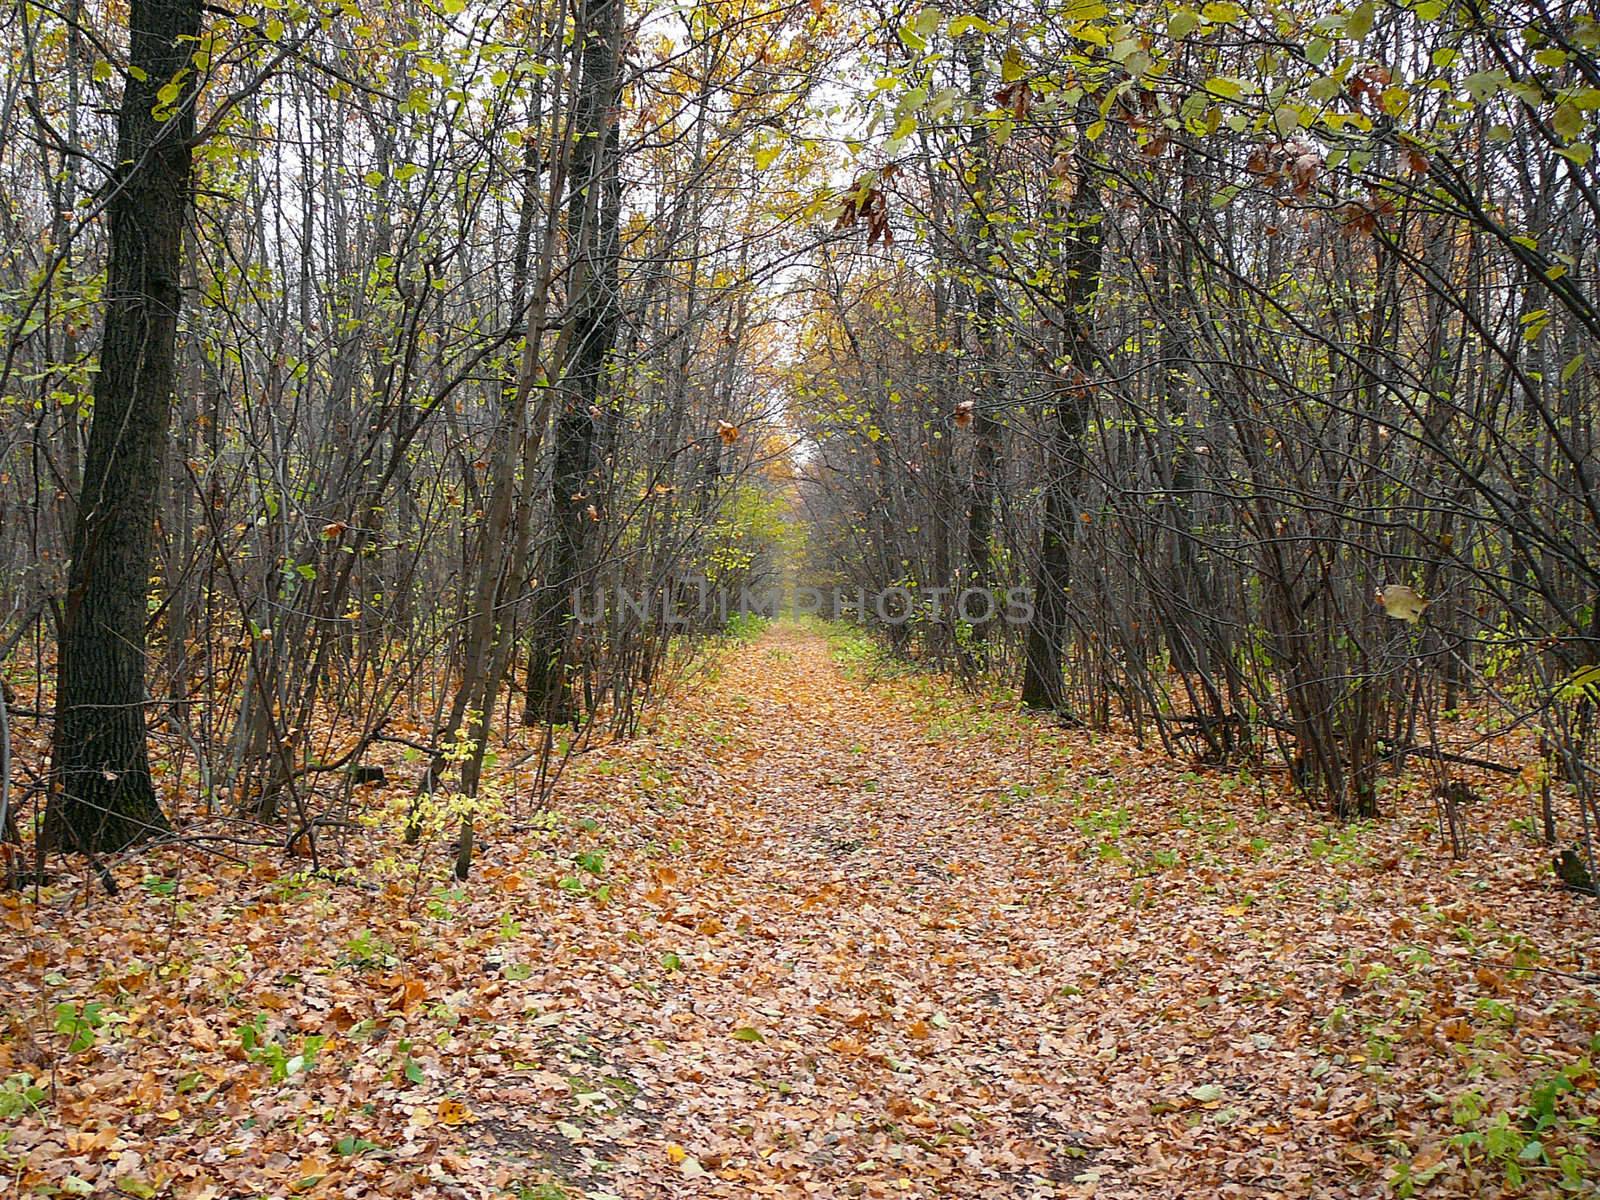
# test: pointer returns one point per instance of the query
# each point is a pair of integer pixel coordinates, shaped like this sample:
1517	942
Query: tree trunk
1042	683
986	426
104	797
593	212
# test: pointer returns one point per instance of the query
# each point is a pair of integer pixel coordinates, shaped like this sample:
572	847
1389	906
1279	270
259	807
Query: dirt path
1007	961
820	935
878	936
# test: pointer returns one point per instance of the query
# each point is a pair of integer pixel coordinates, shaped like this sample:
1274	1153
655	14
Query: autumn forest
603	599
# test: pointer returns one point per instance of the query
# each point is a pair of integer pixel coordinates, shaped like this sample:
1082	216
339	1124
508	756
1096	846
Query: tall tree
104	797
1078	274
987	429
595	310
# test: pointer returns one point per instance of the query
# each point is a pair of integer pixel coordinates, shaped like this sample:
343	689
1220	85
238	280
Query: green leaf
102	71
1579	153
1480	85
747	1034
1359	23
1568	122
1228	89
1206	1093
1182	23
274	30
944	102
1324	89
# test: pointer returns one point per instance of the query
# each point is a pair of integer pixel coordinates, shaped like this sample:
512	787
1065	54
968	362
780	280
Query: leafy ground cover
826	930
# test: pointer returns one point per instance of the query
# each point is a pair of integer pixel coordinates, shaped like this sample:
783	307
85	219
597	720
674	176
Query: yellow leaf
1582	684
453	1112
1012	67
676	1153
1402	603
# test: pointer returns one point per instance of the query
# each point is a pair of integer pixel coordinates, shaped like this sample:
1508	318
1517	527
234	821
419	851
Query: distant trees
450	306
1201	324
1342	338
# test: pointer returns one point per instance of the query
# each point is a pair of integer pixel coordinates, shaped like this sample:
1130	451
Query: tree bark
593	211
1042	683
104	798
987	430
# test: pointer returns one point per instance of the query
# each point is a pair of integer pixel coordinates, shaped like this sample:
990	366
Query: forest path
925	955
878	933
817	933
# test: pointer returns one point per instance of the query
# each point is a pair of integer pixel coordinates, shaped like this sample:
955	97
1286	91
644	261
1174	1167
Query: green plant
1542	1137
747	627
543	1191
79	1025
366	950
1344	846
20	1096
274	1054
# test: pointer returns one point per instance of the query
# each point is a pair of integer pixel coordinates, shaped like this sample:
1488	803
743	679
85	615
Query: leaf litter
821	933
